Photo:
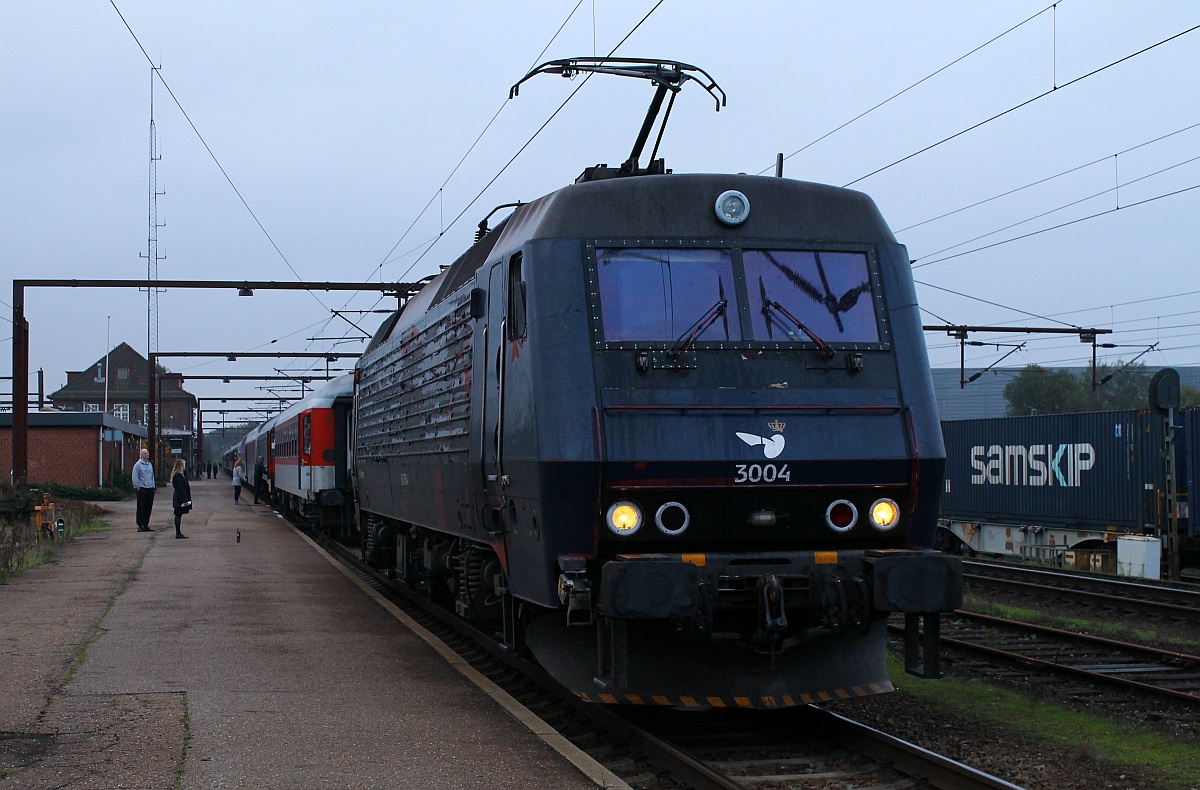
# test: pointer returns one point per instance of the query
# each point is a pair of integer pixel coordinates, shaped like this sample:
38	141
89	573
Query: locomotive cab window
662	294
516	299
828	292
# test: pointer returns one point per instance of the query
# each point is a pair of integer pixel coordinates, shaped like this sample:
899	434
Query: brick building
123	391
73	448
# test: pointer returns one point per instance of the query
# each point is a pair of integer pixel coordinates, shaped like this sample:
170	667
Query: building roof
128	377
76	419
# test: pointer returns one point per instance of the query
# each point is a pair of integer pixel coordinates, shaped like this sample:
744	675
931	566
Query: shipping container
1097	470
1188	470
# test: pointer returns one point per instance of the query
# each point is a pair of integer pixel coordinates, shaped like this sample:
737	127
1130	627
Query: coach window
516	299
307	434
830	292
661	294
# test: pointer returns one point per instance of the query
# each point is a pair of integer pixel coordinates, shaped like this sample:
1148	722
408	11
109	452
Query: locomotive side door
492	435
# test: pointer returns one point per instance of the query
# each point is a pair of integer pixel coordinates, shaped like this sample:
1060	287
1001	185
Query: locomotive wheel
477	584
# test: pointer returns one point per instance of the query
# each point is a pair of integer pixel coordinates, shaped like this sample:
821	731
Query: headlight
885	514
672	518
841	515
624	518
732	207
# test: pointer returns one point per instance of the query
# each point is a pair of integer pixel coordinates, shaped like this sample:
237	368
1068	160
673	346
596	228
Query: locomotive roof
681	206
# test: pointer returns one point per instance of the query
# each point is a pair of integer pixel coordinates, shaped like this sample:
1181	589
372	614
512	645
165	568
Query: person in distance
144	485
260	480
182	498
239	480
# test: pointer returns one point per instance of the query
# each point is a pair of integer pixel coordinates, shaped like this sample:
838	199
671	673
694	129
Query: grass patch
187	741
21	549
1082	735
80	660
1080	625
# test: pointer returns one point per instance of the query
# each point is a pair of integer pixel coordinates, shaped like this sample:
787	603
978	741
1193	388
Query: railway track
1164	600
1096	660
804	747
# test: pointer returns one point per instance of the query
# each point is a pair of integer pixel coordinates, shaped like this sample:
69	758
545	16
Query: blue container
1188	469
1096	470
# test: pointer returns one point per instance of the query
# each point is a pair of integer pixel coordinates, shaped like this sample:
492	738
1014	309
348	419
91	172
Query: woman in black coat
182	498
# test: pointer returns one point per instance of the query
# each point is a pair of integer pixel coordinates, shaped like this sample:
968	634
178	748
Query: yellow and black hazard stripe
778	701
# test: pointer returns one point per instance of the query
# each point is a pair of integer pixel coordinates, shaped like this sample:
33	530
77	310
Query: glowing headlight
885	514
841	515
624	518
732	207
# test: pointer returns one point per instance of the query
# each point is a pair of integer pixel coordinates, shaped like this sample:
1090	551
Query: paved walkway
141	661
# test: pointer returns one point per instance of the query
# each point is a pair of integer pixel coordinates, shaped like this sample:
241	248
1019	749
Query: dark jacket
182	495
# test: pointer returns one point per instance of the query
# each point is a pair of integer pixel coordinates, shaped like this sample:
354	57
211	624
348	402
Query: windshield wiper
685	340
769	304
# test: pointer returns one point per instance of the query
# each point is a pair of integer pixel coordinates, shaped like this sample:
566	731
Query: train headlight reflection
624	518
885	514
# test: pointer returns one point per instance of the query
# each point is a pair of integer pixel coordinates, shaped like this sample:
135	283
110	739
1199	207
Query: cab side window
516	299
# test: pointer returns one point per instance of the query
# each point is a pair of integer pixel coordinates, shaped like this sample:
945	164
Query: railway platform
139	661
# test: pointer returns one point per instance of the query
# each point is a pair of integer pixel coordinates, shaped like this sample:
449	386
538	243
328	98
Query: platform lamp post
20	344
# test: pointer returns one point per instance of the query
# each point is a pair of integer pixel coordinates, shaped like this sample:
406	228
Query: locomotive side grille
415	398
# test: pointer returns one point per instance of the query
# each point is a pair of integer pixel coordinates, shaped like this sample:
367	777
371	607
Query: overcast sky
340	125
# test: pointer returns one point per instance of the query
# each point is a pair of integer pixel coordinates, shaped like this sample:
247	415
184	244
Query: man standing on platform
143	483
260	480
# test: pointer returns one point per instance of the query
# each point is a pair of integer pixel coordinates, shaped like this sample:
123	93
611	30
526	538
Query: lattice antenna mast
152	257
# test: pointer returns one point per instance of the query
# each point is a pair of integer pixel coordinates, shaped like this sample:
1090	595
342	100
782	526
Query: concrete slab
212	663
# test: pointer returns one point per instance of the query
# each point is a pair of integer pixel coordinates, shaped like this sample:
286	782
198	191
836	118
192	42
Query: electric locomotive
675	435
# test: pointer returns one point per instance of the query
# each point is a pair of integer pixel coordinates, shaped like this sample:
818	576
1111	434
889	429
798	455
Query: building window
122	373
145	414
91	407
121	411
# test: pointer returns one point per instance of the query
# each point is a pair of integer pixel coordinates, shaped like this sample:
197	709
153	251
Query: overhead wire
437	195
445	228
1051	316
158	72
900	93
1060	225
1044	180
471	148
529	142
1046	338
1115	188
1024	103
994	304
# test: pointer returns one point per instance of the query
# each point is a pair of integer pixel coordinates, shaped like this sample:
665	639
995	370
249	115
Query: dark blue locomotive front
675	434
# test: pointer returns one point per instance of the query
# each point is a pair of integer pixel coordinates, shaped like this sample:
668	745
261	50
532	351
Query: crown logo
777	425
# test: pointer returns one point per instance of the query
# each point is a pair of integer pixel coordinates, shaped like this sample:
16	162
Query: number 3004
762	473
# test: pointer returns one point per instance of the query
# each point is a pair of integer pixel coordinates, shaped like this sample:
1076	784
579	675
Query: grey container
1094	470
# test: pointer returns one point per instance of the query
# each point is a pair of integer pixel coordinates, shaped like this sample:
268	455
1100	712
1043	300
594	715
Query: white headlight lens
732	207
885	514
624	518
